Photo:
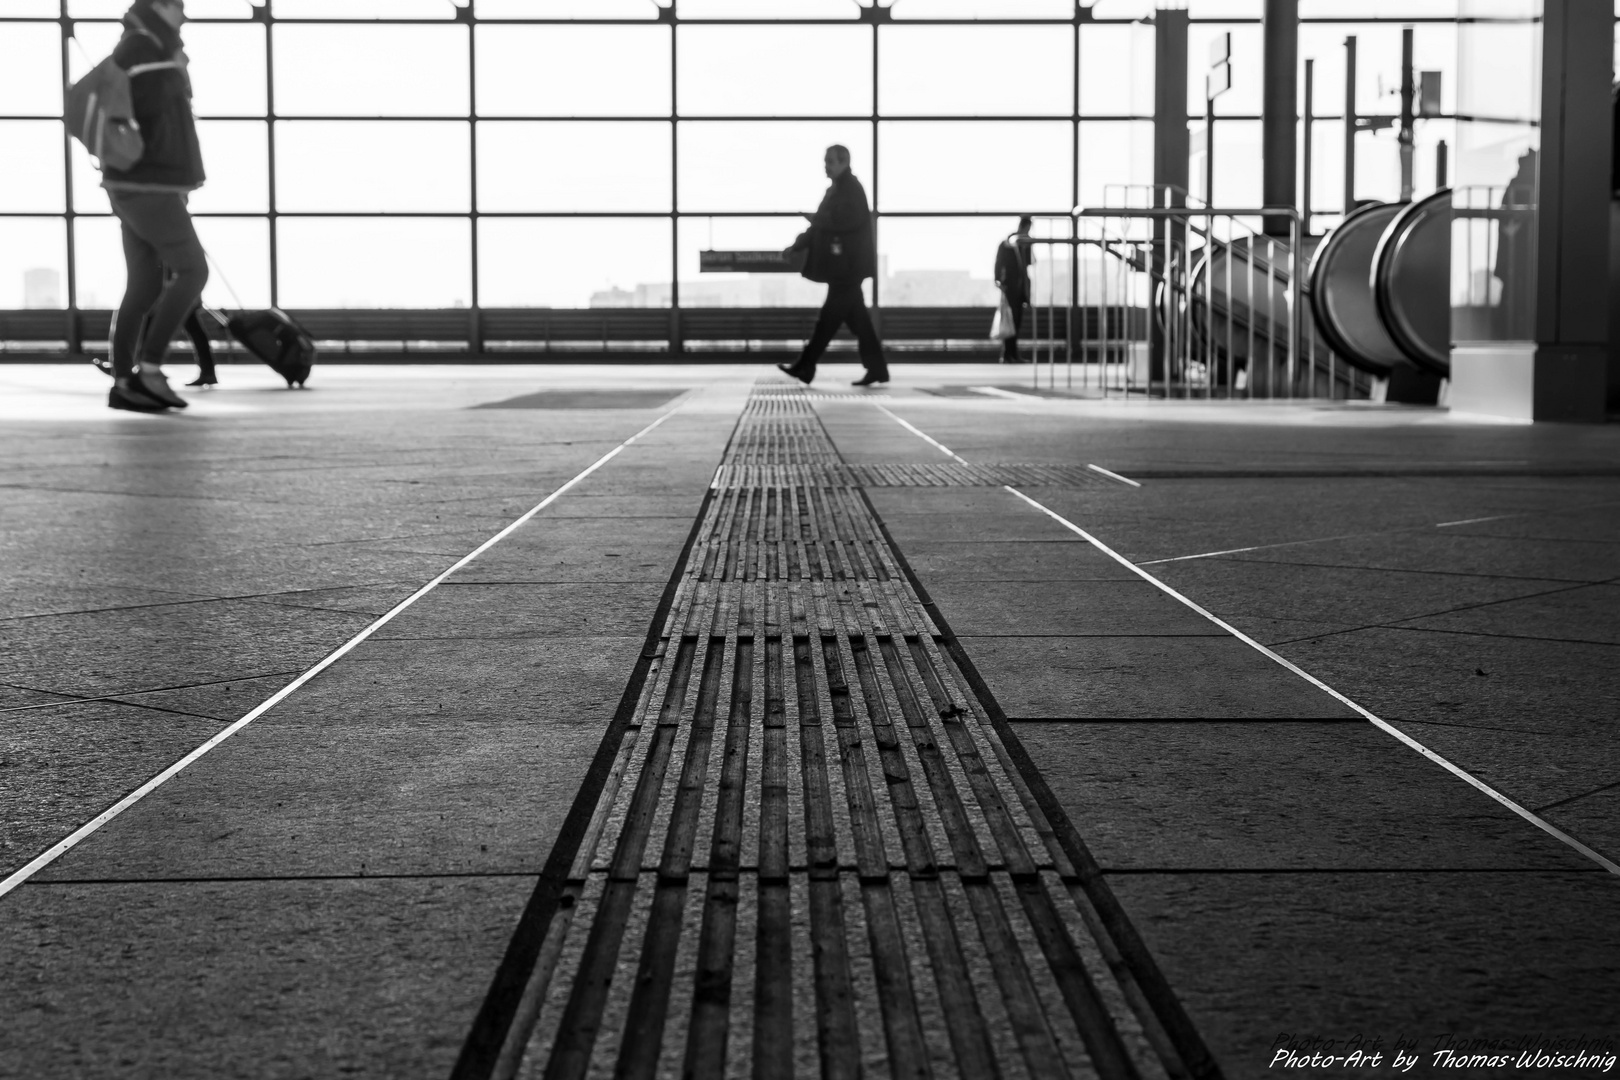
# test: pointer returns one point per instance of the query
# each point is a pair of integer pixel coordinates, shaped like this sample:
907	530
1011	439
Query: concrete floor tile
377	978
597	553
147	648
1006	523
425	796
1415	955
24	598
374	600
475	681
460	610
1346	597
1052	561
1534	764
1109	608
1147	677
1588	614
1594	820
1208	795
61	766
1443	550
1467	679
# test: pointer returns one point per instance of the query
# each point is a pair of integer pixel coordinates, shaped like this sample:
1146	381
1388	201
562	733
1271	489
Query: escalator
1378	292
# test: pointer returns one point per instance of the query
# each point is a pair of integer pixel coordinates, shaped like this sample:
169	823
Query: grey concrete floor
329	891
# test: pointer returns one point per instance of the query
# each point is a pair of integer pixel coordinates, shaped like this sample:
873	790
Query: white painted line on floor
1327	539
1476	521
1383	725
924	436
1114	475
61	847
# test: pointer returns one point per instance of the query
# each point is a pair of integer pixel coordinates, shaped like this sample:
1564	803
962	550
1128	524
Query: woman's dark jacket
172	160
843	220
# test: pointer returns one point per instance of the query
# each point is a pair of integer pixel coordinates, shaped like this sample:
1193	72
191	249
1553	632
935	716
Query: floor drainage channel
814	853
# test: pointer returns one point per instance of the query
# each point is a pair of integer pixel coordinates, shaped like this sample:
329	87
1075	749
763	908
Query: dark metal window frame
875	17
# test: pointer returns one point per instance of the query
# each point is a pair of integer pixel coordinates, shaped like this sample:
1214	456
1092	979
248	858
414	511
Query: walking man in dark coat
1013	257
839	250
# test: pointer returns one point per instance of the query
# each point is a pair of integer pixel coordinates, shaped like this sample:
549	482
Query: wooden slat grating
813	856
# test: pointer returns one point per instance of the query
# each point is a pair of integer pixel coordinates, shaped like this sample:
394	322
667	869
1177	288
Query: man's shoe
204	378
154	385
127	395
789	369
871	379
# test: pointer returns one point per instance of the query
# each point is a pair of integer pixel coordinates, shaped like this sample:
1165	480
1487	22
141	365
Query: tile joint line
61	847
1383	725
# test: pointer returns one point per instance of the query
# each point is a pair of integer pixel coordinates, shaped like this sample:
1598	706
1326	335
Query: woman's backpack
101	113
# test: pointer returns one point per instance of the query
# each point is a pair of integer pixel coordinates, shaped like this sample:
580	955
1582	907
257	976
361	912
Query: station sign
744	262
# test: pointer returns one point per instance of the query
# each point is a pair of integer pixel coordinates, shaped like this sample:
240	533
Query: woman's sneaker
127	394
153	384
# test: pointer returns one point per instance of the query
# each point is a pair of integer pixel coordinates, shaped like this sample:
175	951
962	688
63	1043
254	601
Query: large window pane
371	70
33	263
976	70
567	165
239	249
1114	154
776	9
743	290
1237	164
36	185
195	9
983	9
237	159
98	254
96	41
573	70
28	9
364	9
31	69
1016	166
418	166
1378	63
765	166
565	9
374	263
573	262
941	262
1116	70
88	195
738	70
227	69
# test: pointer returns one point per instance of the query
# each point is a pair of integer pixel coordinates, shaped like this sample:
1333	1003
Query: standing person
165	262
839	250
1013	256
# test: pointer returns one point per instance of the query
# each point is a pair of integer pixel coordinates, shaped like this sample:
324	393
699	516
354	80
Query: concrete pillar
1560	374
1279	115
1170	144
1171	151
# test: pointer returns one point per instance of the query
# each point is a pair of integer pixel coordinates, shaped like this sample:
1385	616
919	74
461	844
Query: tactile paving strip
942	474
814	855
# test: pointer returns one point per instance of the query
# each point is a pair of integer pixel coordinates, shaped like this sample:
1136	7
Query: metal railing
1163	297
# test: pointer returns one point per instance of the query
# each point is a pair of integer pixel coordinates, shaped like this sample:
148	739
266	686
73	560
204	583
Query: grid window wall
580	153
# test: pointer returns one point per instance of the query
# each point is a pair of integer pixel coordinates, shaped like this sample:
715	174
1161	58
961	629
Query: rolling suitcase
273	337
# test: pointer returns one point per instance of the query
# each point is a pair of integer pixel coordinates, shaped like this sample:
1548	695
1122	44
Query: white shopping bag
1002	326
